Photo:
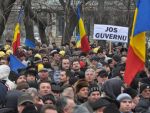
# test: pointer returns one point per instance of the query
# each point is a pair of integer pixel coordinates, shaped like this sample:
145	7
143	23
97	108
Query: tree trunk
28	21
65	37
42	23
5	9
70	23
99	12
71	20
130	17
42	34
99	19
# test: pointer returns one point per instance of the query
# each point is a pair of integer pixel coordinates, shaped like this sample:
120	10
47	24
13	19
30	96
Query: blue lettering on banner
111	36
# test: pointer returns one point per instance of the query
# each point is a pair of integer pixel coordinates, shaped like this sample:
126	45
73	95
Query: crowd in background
66	80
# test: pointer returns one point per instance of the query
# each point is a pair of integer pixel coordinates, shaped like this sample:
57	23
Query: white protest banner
111	33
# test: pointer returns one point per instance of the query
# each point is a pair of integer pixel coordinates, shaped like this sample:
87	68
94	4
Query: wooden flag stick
110	47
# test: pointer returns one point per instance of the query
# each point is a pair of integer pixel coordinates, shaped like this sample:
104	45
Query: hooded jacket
112	87
4	73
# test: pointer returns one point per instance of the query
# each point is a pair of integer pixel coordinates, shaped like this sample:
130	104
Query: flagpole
146	44
110	47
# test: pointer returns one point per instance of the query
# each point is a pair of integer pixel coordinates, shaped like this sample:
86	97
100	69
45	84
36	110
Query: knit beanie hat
80	84
93	87
123	96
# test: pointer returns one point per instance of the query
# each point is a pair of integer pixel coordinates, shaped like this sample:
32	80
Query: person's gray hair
90	70
32	91
68	92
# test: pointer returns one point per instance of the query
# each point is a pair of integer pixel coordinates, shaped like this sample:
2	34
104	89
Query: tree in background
5	9
114	12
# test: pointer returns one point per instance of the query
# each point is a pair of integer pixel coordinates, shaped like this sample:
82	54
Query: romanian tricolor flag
16	39
85	47
137	48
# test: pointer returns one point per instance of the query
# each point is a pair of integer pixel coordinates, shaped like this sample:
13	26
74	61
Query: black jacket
143	106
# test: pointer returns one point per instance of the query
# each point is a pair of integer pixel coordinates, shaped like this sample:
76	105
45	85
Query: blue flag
142	20
29	43
15	64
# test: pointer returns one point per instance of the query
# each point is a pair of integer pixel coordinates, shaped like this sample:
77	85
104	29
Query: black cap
25	98
143	87
100	103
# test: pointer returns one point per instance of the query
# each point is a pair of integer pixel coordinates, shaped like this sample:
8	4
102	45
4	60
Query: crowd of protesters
65	80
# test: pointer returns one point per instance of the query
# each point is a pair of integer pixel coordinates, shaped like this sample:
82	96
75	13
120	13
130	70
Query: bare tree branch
5	9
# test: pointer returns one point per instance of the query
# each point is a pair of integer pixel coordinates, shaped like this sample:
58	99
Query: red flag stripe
16	43
134	65
85	47
16	39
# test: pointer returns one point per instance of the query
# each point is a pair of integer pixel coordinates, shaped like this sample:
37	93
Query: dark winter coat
143	106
